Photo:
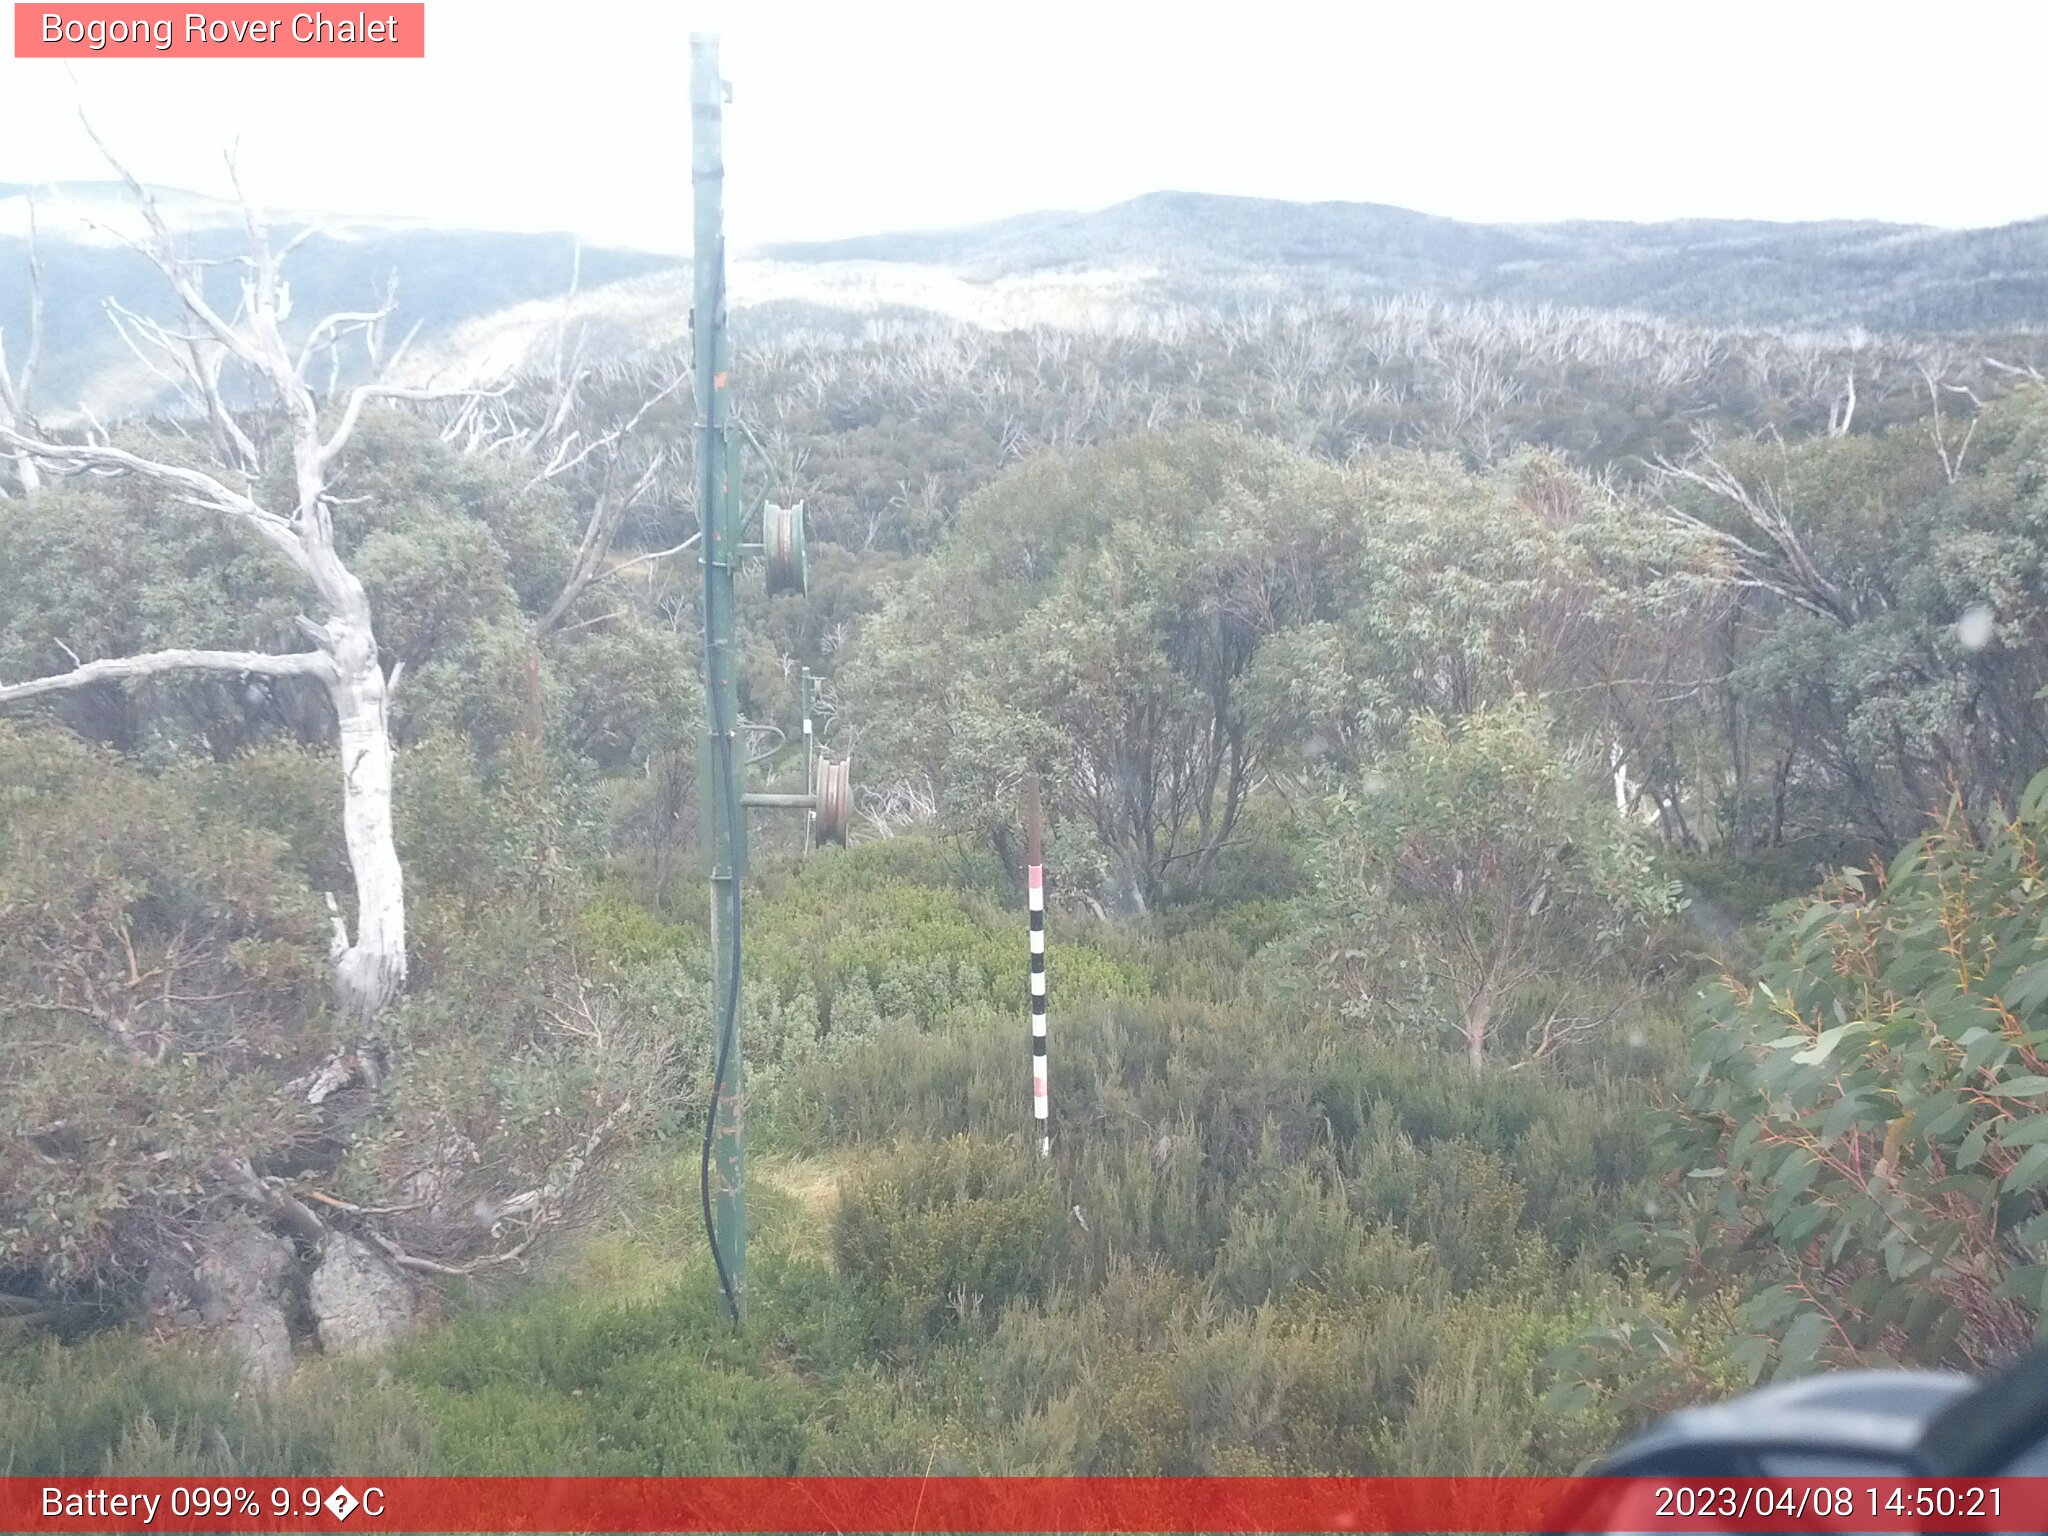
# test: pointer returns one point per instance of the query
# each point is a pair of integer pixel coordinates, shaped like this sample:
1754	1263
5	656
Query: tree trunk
1129	872
1478	1019
1479	1011
1740	833
369	972
1780	782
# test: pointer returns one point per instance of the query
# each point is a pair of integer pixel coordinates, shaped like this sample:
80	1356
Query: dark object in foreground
1857	1423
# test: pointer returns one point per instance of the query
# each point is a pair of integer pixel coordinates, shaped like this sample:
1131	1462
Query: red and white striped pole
1034	882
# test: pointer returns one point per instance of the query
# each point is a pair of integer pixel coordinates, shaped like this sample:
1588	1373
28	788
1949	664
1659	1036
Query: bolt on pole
720	765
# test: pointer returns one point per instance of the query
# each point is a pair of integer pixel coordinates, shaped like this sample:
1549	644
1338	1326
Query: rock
231	1278
359	1302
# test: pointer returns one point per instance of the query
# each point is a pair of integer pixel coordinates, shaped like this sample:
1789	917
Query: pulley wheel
782	536
835	800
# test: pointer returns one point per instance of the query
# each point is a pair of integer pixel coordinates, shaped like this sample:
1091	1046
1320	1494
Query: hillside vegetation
483	300
1545	829
1822	276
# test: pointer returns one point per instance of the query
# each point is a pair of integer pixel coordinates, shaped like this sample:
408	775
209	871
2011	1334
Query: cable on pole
727	1026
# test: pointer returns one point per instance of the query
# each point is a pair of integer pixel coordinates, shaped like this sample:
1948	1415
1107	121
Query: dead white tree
1843	412
17	388
601	460
1951	458
1766	551
370	965
617	486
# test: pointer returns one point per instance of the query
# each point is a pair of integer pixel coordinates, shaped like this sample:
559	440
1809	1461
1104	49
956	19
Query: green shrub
948	1234
1864	1143
1302	1235
113	1404
159	960
1459	1199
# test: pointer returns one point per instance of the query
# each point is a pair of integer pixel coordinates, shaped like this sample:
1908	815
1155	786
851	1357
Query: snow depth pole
723	1170
1034	885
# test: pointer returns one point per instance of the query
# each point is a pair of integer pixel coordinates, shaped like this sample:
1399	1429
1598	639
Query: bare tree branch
599	531
1781	564
196	486
562	462
363	394
543	1208
162	251
652	555
158	663
17	392
332	327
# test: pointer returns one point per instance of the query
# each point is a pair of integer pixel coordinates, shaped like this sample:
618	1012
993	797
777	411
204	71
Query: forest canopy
1543	819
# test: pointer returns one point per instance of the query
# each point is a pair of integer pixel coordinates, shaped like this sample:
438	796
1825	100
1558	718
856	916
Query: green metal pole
725	840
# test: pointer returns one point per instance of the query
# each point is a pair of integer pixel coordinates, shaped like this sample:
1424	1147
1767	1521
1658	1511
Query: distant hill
485	300
445	275
1890	277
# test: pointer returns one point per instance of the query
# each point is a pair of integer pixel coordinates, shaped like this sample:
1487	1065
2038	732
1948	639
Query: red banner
239	31
1022	1504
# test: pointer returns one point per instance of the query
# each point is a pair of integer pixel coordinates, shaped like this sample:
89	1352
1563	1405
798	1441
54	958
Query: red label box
237	31
1354	1506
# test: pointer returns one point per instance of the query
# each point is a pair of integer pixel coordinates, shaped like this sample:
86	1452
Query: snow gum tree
210	354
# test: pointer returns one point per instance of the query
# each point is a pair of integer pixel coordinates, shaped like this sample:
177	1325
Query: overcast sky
874	115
